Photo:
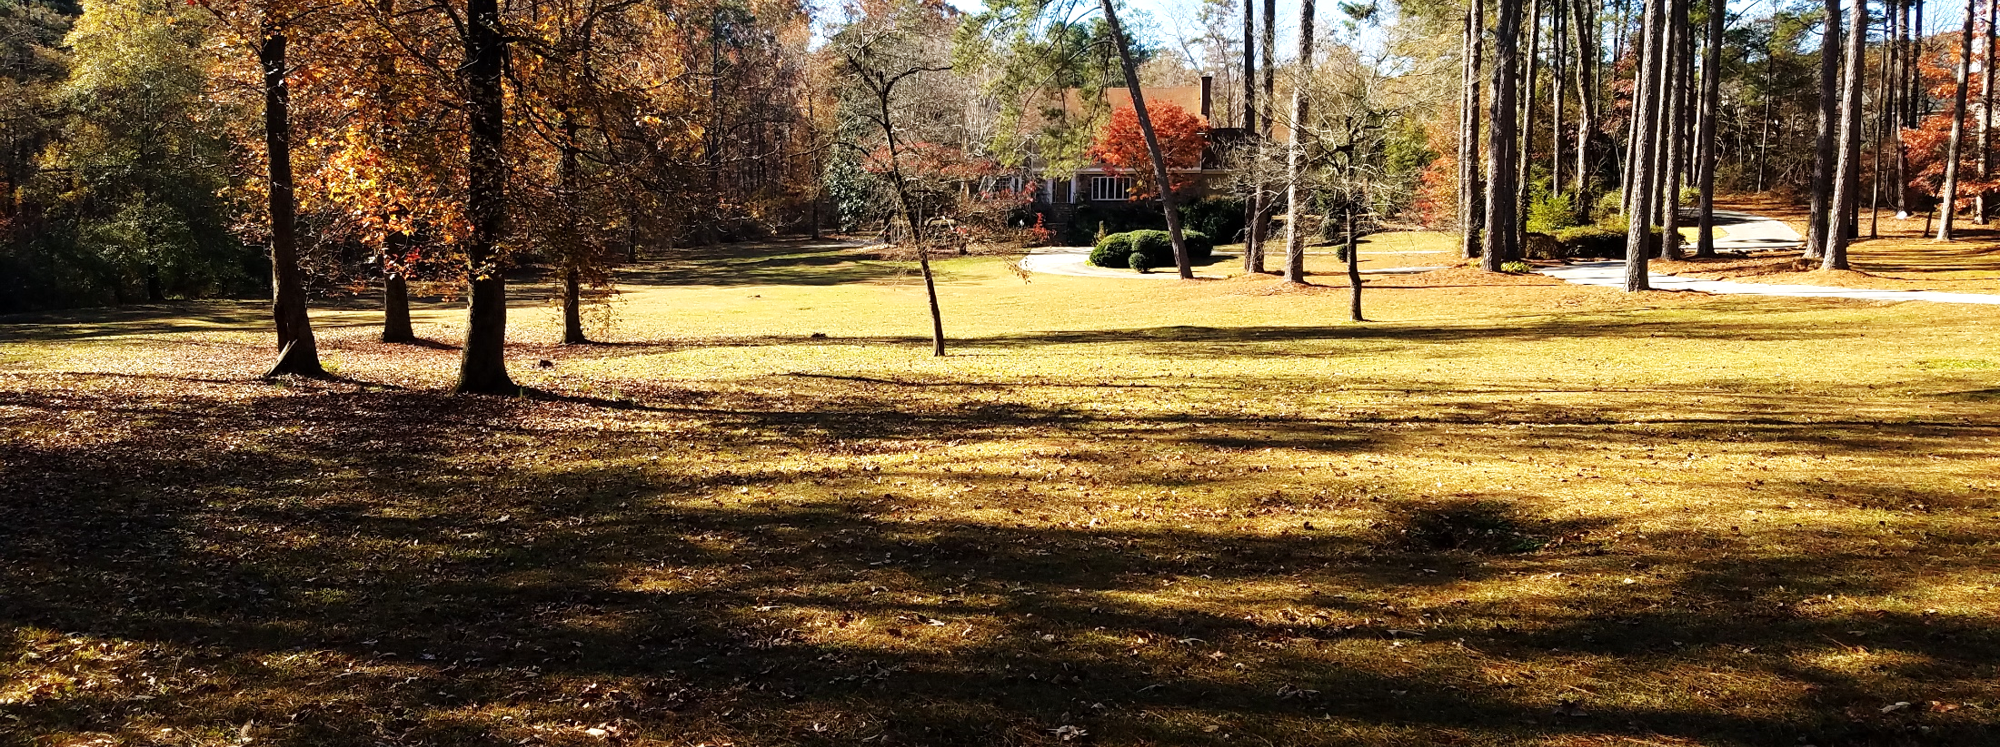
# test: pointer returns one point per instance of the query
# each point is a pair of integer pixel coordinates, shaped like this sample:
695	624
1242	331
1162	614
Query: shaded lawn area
1122	513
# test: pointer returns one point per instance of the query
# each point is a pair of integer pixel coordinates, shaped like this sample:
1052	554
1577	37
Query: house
1098	184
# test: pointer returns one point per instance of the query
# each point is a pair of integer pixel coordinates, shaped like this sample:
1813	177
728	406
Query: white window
1106	188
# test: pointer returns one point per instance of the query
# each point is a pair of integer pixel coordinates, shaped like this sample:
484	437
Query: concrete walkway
1612	274
1075	261
1745	231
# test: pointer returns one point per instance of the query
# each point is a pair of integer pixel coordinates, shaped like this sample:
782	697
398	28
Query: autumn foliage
1121	146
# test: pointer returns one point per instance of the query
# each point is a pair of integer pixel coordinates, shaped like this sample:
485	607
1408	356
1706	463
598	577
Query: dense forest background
134	156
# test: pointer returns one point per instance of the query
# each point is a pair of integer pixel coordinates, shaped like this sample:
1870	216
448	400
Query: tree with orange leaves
1121	147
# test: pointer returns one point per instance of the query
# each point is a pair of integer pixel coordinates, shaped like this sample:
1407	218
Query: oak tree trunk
482	367
298	351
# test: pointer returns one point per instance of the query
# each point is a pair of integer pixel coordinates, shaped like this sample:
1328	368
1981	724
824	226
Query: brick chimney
1207	95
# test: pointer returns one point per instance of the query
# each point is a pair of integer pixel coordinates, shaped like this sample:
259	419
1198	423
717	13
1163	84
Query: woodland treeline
161	149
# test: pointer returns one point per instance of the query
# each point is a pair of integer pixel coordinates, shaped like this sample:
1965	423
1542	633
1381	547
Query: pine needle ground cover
1121	512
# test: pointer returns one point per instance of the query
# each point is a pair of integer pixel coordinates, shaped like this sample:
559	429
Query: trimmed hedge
1117	249
1599	242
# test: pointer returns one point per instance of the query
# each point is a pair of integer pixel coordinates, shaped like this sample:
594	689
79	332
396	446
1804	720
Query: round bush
1112	251
1139	261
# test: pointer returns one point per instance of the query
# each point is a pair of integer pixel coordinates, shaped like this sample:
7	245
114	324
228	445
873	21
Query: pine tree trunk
1949	203
1267	119
1522	175
1586	100
298	350
1253	206
1160	172
1680	65
1503	141
1557	85
1823	143
1848	171
1295	155
1469	188
482	367
1639	211
1986	109
1711	102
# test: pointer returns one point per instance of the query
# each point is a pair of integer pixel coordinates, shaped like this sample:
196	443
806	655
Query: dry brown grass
1900	256
1124	512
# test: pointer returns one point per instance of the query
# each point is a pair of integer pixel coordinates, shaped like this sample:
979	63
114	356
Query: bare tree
1469	191
1949	204
1823	152
1160	175
1586	100
1295	155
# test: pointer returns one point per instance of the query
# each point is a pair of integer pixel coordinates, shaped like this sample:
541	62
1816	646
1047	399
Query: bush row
1154	248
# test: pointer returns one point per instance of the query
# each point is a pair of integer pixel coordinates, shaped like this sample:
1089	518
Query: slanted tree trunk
482	367
1829	123
1848	170
1639	210
1469	189
1586	102
1295	155
1503	225
1711	102
1159	158
1949	205
298	351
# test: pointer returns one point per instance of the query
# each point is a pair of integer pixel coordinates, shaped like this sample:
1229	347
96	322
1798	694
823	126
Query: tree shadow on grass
349	568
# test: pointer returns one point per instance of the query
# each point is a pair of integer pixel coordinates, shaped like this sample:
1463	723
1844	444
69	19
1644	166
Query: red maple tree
1121	147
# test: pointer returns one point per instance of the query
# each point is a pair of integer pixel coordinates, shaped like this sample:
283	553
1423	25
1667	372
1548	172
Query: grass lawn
1122	512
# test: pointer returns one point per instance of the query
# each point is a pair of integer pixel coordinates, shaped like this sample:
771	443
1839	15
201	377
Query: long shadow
345	568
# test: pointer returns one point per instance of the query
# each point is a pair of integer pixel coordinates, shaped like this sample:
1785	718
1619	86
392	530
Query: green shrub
1220	218
1599	242
1112	250
1516	267
1158	246
1552	213
1611	203
1139	261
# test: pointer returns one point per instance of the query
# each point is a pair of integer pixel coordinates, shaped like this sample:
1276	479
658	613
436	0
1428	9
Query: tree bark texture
298	351
1639	211
1829	123
1295	155
1847	171
1503	226
482	367
1469	191
1949	201
1711	102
